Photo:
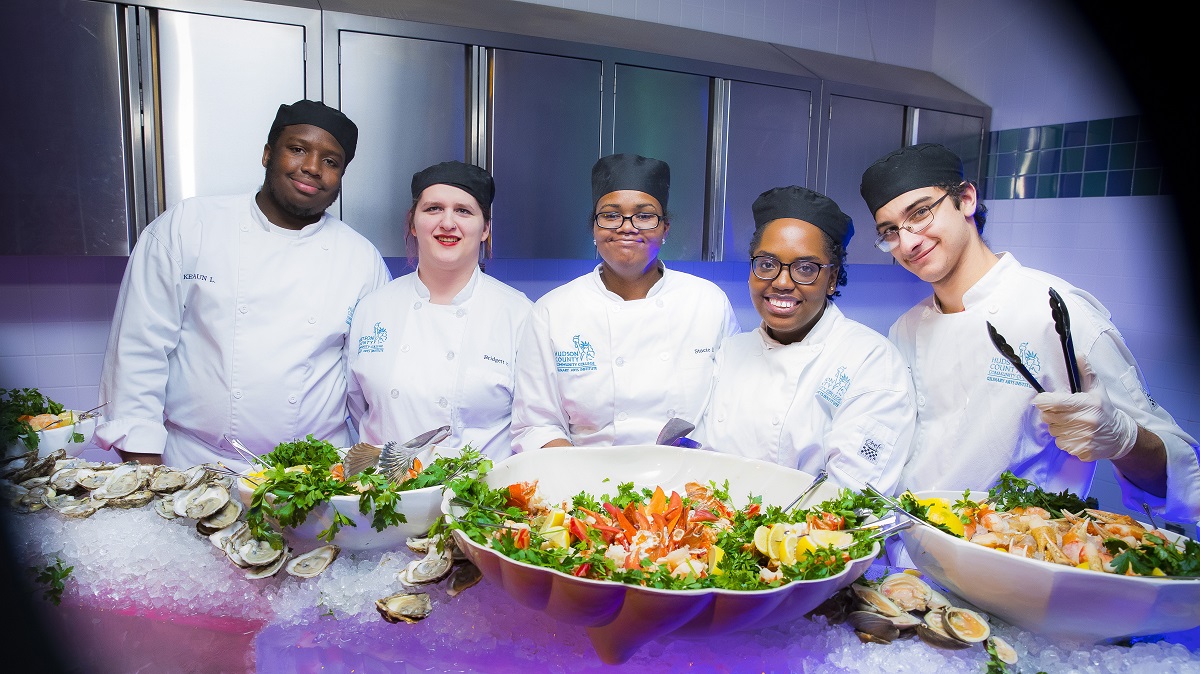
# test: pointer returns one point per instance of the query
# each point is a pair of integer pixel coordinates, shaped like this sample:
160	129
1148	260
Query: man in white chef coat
233	312
976	415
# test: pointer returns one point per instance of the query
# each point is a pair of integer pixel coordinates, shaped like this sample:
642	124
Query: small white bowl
59	437
1052	599
421	507
621	618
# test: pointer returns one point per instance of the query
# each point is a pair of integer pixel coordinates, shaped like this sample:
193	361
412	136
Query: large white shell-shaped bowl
1052	599
59	437
621	618
421	507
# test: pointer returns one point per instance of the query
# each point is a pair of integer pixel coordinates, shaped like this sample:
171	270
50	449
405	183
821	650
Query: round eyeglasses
803	272
915	223
612	220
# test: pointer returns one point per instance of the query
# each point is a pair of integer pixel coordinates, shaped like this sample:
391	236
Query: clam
402	606
936	600
1006	653
205	501
965	624
465	575
875	600
269	569
313	562
940	639
908	591
874	624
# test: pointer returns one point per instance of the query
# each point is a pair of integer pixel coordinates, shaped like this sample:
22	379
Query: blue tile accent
1092	158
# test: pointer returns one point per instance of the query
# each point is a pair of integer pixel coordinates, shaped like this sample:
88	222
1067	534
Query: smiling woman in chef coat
809	388
610	357
437	347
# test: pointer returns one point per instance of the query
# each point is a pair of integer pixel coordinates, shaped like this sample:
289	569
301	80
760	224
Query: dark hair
836	252
955	190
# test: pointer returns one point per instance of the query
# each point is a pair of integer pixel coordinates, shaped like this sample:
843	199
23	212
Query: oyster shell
167	481
465	575
434	566
122	481
135	499
258	553
268	570
313	562
418	544
220	537
71	506
205	501
404	607
165	507
39	467
91	478
65	479
195	475
227	515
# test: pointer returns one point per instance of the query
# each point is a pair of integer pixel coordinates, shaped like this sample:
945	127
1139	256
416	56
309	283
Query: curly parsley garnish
1012	492
19	402
52	577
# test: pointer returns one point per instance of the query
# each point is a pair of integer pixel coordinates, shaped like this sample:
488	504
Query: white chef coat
840	399
228	324
974	415
415	366
597	370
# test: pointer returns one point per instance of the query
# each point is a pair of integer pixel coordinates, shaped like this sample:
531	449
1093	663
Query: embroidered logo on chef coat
350	314
1002	372
373	343
870	450
833	389
582	359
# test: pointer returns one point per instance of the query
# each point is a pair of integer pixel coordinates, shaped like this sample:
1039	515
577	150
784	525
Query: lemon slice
940	513
761	540
554	520
821	538
557	537
804	547
785	552
779	531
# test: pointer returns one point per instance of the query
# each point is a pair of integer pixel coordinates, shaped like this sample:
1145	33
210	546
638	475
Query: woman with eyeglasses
610	357
437	347
809	388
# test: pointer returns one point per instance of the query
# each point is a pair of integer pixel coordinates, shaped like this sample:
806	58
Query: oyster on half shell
404	607
313	562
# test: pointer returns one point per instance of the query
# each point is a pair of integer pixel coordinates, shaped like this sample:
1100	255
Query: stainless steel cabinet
545	136
409	100
961	133
64	185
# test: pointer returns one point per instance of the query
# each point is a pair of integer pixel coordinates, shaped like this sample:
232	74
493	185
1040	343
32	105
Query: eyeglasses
915	223
611	220
803	272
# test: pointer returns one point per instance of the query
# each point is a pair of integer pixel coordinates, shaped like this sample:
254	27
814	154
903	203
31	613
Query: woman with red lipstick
809	388
437	347
610	357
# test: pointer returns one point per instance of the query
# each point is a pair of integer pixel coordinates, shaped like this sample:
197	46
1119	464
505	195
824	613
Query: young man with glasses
977	416
809	388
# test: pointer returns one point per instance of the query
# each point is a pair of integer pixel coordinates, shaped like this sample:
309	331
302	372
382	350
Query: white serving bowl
421	507
621	618
59	437
1052	599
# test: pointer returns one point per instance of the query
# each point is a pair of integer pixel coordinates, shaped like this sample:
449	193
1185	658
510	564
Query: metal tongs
82	417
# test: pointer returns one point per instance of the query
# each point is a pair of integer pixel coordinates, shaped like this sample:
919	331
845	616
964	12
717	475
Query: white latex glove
1087	424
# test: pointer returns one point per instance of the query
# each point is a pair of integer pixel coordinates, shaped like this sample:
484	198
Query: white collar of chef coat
815	339
654	289
988	284
261	220
462	296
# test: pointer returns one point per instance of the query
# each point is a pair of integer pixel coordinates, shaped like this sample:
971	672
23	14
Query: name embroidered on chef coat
495	360
373	343
1002	372
199	277
582	359
833	389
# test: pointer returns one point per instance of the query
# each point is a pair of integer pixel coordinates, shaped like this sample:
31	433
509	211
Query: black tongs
1007	351
1062	325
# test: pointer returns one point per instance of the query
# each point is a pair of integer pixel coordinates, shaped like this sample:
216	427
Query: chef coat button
994	308
664	355
921	401
245	228
442	402
658	303
324	246
237	393
620	361
292	399
404	348
243	308
395	393
622	416
721	418
460	313
774	421
312	319
416	305
449	355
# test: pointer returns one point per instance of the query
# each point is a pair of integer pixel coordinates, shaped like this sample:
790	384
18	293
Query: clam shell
965	624
874	624
313	562
909	592
402	606
939	639
876	600
1006	653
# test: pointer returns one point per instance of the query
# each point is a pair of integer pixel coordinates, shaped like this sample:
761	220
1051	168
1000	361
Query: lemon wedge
786	550
761	540
557	537
715	555
940	513
779	531
821	538
554	519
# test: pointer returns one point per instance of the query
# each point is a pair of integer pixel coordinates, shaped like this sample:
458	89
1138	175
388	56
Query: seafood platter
680	568
1079	574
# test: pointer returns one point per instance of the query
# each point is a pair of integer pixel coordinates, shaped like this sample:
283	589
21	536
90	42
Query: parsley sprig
1012	492
16	403
1155	553
53	577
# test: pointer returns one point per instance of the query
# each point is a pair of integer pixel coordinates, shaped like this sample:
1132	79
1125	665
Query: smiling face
448	226
629	251
788	309
937	254
304	174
